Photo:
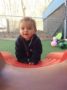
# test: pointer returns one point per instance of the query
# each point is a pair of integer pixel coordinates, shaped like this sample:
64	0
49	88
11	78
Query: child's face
27	30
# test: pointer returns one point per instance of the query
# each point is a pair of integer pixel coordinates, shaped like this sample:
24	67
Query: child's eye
29	28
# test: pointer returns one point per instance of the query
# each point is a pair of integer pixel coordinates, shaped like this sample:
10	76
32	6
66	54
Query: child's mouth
25	34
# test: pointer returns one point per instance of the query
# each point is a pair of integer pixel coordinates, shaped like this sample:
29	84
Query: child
28	45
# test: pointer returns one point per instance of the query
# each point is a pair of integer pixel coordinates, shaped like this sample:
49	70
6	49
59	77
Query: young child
28	47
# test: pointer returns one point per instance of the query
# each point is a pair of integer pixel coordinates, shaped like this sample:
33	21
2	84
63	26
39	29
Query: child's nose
25	30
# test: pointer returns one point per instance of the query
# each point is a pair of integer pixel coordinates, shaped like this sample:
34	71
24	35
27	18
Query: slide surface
51	58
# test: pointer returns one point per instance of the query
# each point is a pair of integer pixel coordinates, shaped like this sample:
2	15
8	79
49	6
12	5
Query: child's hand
31	63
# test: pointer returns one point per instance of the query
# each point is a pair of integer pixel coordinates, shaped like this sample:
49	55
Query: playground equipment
51	58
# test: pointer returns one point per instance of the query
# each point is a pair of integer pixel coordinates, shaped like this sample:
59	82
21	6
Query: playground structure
51	58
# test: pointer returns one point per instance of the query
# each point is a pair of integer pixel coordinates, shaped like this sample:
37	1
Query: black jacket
28	51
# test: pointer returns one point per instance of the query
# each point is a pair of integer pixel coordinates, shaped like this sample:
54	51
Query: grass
47	48
9	45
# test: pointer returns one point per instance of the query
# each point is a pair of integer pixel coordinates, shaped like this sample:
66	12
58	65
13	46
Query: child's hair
31	20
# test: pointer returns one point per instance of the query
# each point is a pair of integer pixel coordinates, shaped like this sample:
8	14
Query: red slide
51	58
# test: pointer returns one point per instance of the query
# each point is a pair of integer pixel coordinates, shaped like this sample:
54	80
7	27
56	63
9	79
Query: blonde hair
31	20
